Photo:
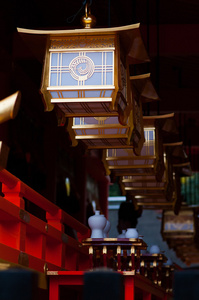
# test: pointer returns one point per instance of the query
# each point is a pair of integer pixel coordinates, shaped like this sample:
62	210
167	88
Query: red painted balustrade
40	244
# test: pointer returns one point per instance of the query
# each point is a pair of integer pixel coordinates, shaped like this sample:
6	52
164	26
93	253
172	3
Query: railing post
146	295
56	219
129	288
14	194
14	233
82	237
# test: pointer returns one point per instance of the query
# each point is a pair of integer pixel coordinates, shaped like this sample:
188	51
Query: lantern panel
147	170
144	185
131	163
146	178
79	108
124	158
150	192
99	132
82	68
153	202
149	144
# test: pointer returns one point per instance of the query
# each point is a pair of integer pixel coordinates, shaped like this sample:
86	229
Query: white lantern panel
132	171
98	126
144	184
84	68
130	162
113	121
100	132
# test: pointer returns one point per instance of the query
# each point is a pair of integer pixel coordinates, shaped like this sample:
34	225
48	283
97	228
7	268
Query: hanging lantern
108	132
178	226
157	200
124	162
142	91
147	185
151	194
181	234
172	157
100	132
86	70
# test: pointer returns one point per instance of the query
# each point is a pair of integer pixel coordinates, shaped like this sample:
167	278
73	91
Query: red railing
42	244
30	241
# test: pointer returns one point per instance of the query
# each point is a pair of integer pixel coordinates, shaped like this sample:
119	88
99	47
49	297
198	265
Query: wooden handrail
31	195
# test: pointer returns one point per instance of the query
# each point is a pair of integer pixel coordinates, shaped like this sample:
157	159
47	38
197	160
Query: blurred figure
128	214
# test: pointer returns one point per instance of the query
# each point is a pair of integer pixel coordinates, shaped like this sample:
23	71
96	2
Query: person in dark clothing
128	214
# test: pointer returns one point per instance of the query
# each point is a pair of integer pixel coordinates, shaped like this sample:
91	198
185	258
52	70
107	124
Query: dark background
170	29
38	148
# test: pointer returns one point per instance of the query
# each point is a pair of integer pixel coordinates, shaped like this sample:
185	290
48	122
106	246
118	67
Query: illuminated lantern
178	226
124	162
86	71
151	194
143	91
108	132
100	132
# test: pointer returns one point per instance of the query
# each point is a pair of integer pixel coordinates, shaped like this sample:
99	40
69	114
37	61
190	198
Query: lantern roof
130	38
143	87
150	120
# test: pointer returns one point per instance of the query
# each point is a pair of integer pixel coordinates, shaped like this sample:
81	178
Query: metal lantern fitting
88	20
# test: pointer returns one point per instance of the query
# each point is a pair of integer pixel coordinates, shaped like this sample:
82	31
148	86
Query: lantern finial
88	20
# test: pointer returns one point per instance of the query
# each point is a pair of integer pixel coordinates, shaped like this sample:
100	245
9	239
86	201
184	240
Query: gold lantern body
107	132
143	91
81	74
151	194
100	132
86	70
124	162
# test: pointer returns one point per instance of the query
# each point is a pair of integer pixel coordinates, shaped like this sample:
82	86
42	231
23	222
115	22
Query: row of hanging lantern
111	131
152	177
86	77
